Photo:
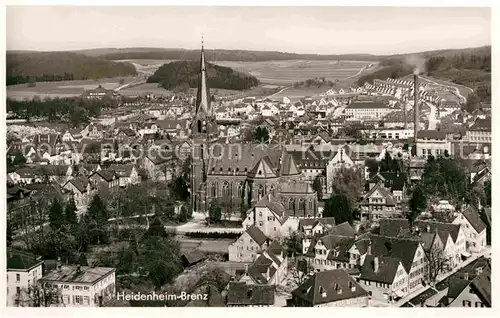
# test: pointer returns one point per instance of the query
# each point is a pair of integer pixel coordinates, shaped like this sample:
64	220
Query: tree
372	166
261	134
56	215
159	258
70	212
39	295
487	192
10	234
339	207
156	229
437	263
96	220
299	270
293	244
214	212
349	182
179	188
82	260
318	187
473	103
417	204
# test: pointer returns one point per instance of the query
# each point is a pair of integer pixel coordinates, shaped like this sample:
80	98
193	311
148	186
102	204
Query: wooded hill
185	74
25	67
468	67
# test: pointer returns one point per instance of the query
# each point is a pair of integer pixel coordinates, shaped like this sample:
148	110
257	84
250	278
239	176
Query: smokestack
415	106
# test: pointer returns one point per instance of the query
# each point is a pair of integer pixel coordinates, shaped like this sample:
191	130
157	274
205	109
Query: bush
213	235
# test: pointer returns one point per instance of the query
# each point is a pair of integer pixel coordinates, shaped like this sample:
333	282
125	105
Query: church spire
203	107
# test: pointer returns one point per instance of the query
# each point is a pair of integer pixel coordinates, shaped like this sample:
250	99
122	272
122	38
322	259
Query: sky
316	30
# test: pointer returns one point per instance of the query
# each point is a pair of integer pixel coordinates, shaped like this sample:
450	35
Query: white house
246	248
81	285
23	271
474	229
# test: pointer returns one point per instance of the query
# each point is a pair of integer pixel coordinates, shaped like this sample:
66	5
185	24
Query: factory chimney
415	105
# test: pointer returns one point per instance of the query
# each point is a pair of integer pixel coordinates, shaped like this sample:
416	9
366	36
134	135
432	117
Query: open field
62	88
278	72
289	72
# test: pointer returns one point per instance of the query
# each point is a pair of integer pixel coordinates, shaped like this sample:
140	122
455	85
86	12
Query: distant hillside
469	67
25	67
216	55
185	74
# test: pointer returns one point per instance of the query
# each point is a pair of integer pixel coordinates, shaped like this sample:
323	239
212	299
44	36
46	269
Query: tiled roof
263	169
20	260
386	271
86	274
472	215
241	294
337	284
257	235
431	134
289	166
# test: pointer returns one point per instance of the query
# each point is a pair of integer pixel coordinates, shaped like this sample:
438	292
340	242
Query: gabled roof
275	206
386	272
80	183
441	227
389	198
263	169
257	235
289	166
402	249
296	187
472	215
337	284
20	260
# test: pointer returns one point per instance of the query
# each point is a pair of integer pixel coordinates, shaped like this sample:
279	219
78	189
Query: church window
291	204
302	204
225	189
261	191
240	190
310	204
214	190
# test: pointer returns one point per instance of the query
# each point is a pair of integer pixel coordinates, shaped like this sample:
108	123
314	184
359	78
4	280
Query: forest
468	68
33	67
185	74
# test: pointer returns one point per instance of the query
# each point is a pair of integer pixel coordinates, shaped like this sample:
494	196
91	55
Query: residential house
23	272
247	246
480	131
127	174
469	289
158	166
80	286
72	135
57	173
93	131
269	268
379	203
384	277
270	216
104	178
81	189
366	110
125	135
432	142
473	227
333	288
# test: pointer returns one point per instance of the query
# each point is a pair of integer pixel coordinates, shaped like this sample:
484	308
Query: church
242	174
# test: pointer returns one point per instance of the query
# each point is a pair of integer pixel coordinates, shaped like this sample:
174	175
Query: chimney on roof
78	269
479	270
246	269
375	264
59	265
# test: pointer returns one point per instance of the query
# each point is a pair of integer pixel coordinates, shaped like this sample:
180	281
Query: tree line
186	73
56	66
316	82
74	110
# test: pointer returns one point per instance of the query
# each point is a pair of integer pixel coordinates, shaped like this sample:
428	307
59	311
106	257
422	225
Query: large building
80	285
23	272
242	174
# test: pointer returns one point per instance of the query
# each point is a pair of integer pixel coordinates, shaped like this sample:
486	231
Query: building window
78	299
240	190
214	190
261	223
466	303
18	277
18	290
225	189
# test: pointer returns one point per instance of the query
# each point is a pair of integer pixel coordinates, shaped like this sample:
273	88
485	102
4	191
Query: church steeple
203	106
